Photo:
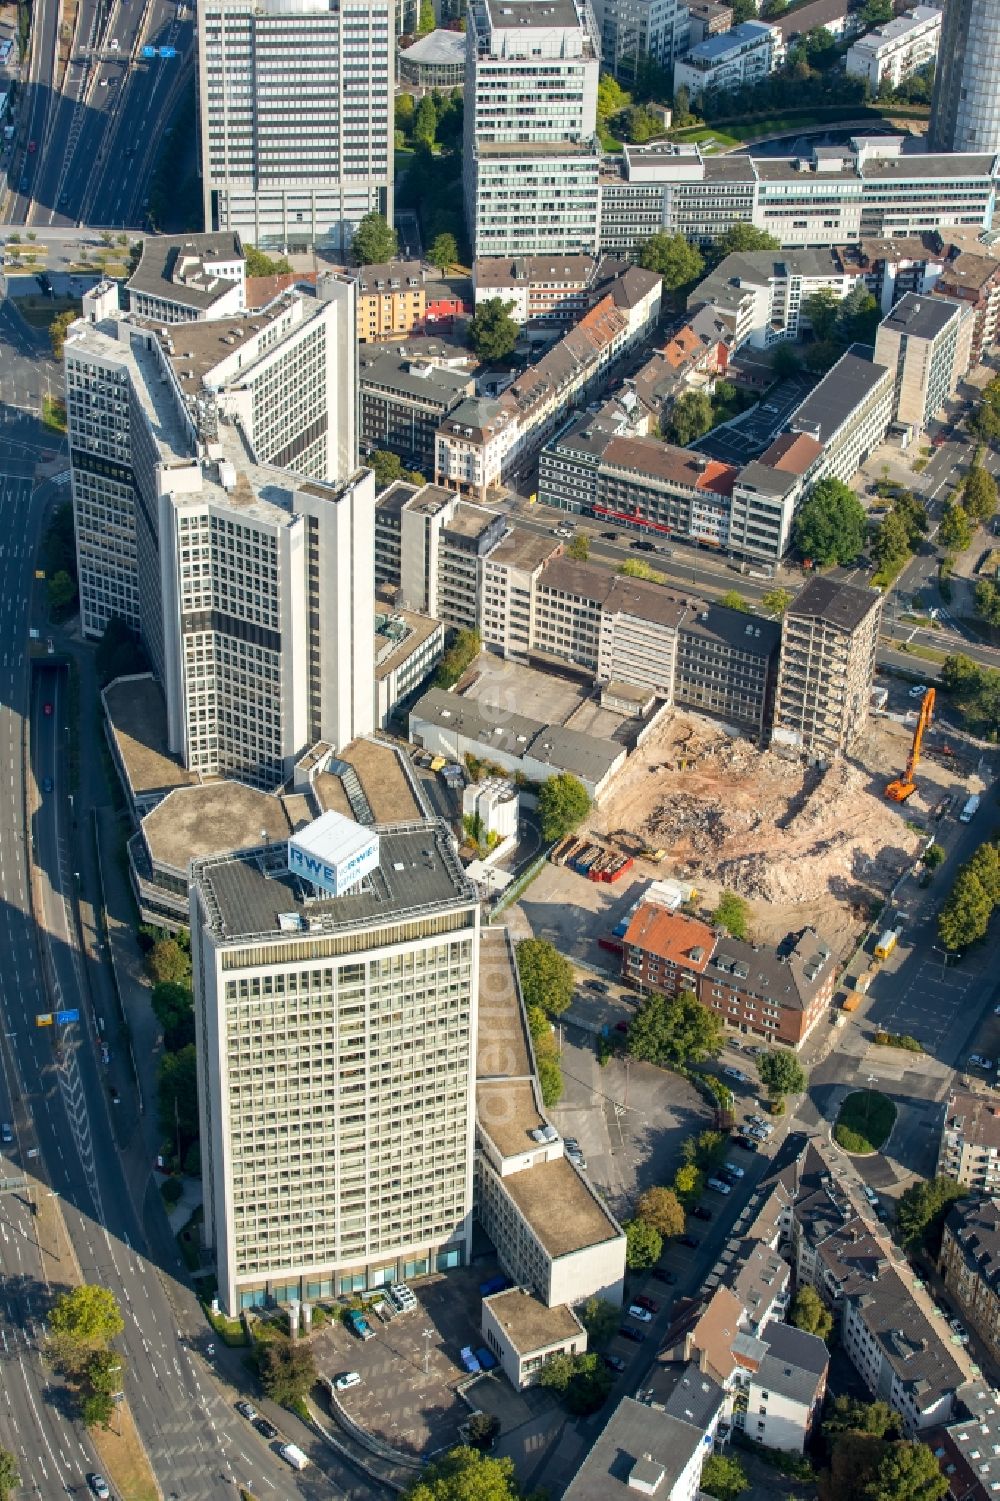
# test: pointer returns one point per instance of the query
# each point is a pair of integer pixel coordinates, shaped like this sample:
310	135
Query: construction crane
905	786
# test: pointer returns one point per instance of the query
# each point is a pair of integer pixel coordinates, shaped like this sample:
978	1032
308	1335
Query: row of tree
660	1211
975	895
975	692
547	981
168	964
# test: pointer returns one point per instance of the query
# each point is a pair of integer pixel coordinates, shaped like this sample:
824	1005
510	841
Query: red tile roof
681	940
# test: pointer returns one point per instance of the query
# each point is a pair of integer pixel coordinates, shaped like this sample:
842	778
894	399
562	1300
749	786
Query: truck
852	1000
886	944
970	809
293	1455
358	1324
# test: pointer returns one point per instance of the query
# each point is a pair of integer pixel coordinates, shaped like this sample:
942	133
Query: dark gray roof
834	401
392	500
510	15
796	1347
246	894
756	268
200	289
404	376
742	632
920	317
636	1438
843	605
788	976
762	478
684	1391
975	1223
819	13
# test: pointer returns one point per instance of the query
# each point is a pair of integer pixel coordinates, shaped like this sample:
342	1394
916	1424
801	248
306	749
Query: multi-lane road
86	154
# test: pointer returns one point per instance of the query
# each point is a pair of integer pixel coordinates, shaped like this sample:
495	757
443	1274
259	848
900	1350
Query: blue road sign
168	51
62	1017
147	51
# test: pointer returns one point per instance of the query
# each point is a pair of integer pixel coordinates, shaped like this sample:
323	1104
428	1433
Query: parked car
610	536
599	985
870	1195
701	1213
621	1026
635	1335
99	1486
647	1303
642	1314
977	1060
746	1143
6	1133
918	690
733	1168
346	1381
664	1274
735	1073
691	1241
614	1362
265	1428
641	545
247	1410
719	1186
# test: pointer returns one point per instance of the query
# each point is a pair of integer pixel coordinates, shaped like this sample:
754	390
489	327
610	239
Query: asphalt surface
96	142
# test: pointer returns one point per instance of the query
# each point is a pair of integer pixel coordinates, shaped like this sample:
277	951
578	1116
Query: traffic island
864	1122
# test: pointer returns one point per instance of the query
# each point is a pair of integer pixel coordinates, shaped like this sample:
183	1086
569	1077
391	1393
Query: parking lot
573	913
411	1369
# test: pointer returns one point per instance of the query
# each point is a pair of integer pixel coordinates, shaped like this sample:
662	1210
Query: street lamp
428	1335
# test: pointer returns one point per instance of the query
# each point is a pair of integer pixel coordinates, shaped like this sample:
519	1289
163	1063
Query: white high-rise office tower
336	1059
965	111
531	150
296	118
220	512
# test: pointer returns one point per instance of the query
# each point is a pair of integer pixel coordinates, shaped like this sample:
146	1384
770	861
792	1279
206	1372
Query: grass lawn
53	414
914	649
123	1459
864	1121
698	133
40	311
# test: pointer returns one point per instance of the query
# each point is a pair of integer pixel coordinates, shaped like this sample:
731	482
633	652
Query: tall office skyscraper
296	118
965	112
531	150
220	512
336	1059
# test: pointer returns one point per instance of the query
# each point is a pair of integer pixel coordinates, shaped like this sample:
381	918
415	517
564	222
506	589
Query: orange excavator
905	786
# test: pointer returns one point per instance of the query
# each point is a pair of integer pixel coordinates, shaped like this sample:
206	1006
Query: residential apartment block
778	994
970	1265
531	155
296	118
402	403
219	511
828	643
400	298
895	51
545	290
877	187
730	60
642	1450
760	294
975	280
183	278
336	1061
633	31
969	1149
927	343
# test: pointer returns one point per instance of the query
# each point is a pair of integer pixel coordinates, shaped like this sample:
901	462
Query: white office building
220	513
531	150
893	52
730	60
296	118
633	30
336	1060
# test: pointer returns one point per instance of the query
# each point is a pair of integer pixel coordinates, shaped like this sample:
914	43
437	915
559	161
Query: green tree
374	241
167	962
724	1477
443	252
287	1369
776	601
58	329
579	547
611	97
984	422
673	257
732	913
387	467
706	1150
550	1081
858	316
809	1312
582	1381
10	1476
177	1095
933	856
259	264
105	1372
975	691
923	1208
733	600
979	497
405	109
744	10
784	362
830	525
492	331
483	1429
987	601
742	237
675	1029
908	1472
781	1073
661	1208
851	1415
965	916
821	308
955	531
546	975
82	1322
690	417
173	1006
563	802
425	22
601	1320
97	1410
643	1245
875	13
688	1182
461	653
425	122
61	591
464	1474
891	540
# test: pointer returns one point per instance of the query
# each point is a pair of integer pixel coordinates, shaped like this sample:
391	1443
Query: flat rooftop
528	1324
382	780
506	1111
501	1043
138	718
523	549
179	268
419	628
213	819
199	346
506	15
559	1207
834	401
254	895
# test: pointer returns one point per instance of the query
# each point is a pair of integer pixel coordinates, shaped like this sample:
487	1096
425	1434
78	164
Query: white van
968	813
293	1455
